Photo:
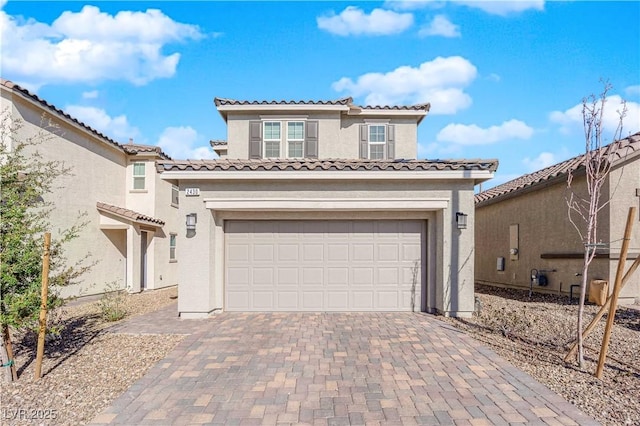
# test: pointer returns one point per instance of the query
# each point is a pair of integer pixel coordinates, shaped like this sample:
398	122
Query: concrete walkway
330	369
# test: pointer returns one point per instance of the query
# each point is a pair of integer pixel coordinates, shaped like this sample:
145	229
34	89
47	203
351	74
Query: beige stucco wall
338	136
166	271
98	174
450	251
544	227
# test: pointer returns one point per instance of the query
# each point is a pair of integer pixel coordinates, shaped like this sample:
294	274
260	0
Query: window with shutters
377	141
283	139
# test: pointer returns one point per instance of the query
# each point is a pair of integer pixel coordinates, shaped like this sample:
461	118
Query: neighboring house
131	213
321	206
523	225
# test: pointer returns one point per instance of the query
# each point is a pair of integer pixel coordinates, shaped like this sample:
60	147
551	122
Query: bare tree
584	210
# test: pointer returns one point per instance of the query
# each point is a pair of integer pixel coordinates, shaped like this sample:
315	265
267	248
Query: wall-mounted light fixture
192	219
461	220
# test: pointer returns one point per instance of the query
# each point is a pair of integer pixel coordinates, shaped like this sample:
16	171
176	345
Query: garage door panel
288	252
288	276
313	252
342	265
362	252
387	300
287	300
338	300
263	276
362	300
388	252
263	252
338	276
312	300
312	276
362	276
389	276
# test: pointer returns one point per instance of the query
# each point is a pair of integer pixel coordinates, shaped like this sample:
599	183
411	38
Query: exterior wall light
192	219
461	220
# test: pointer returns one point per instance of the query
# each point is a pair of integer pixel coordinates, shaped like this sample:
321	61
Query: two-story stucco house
132	214
523	227
322	206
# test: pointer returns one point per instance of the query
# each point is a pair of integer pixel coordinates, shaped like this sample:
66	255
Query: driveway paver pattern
332	369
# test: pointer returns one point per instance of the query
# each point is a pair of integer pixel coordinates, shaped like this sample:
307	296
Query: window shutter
255	139
364	141
391	142
311	140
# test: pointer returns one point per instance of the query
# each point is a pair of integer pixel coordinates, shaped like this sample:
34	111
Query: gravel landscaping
89	366
534	334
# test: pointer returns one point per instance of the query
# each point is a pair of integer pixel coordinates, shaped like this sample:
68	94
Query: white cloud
545	159
494	7
472	134
90	95
353	21
570	121
440	82
504	8
494	77
117	128
92	46
632	90
182	143
440	26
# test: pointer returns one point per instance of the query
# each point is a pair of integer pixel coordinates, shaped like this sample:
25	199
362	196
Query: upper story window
175	195
283	139
377	141
138	175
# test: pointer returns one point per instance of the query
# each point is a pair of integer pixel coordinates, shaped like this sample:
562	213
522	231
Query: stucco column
196	289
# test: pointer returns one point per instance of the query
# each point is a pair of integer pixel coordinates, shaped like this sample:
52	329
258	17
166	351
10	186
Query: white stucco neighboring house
322	206
132	214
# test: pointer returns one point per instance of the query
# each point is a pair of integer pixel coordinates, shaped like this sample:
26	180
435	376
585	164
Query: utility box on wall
500	264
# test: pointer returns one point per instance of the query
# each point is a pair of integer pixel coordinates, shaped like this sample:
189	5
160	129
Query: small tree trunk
583	292
9	373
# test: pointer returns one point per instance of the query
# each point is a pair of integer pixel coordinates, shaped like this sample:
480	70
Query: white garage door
323	265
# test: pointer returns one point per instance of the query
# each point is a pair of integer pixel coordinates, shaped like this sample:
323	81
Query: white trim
281	117
326	204
477	175
388	112
280	107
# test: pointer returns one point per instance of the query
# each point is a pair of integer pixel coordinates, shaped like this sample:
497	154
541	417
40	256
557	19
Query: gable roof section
130	215
626	149
224	101
131	148
327	165
52	108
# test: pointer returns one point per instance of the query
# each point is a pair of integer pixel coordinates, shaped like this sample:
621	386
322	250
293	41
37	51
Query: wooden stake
604	308
12	375
43	305
616	291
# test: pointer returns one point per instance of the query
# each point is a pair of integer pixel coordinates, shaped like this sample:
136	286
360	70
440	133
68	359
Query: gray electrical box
500	264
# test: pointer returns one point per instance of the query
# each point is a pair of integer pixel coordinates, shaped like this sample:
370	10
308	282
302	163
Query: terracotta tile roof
218	143
129	214
344	101
326	165
24	92
137	148
225	101
625	149
12	86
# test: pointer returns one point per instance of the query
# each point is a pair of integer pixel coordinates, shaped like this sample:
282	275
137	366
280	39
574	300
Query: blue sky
505	79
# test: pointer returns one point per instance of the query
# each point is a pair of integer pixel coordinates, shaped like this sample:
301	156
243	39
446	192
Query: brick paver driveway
335	369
